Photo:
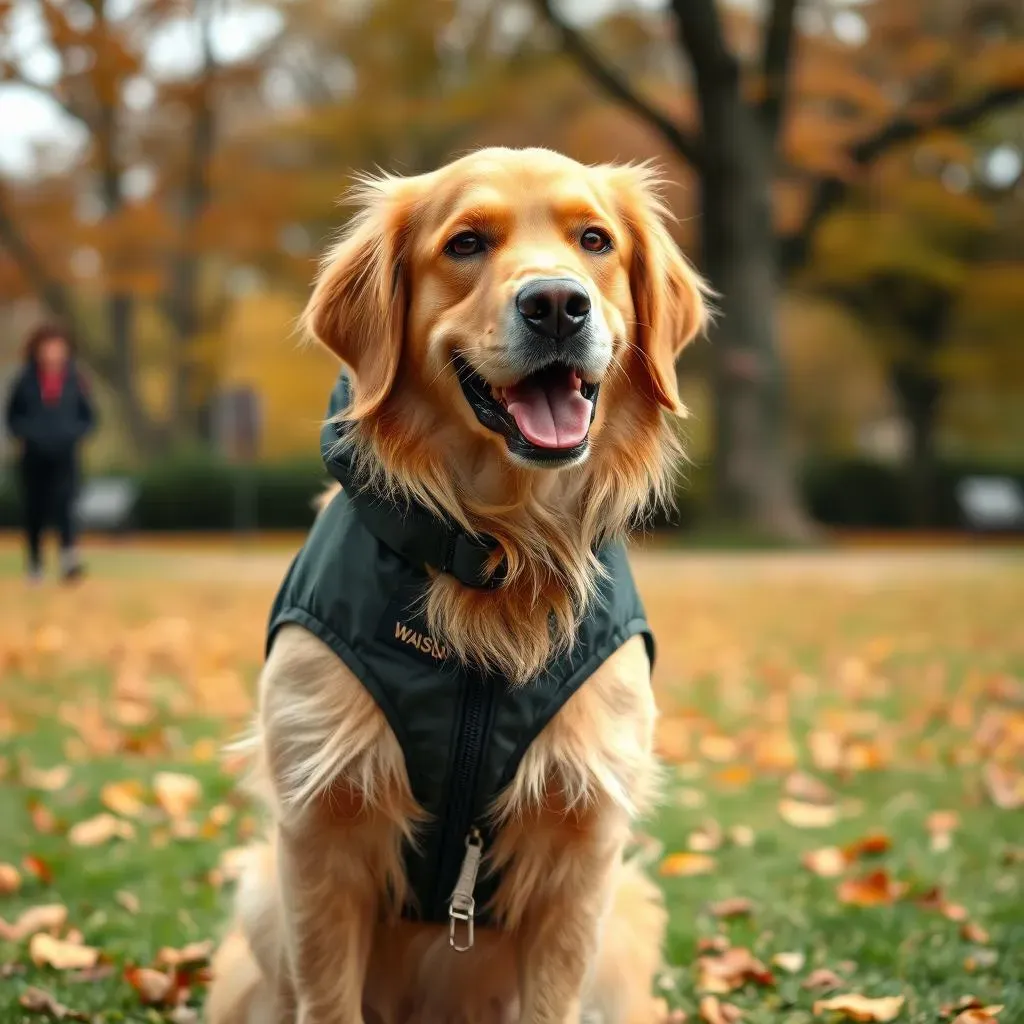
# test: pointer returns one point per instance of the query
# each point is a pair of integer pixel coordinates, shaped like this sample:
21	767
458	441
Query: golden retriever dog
511	322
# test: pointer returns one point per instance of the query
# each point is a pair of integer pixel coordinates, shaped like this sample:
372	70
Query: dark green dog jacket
357	585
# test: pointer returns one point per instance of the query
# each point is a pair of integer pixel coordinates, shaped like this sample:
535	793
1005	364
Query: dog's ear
358	305
669	296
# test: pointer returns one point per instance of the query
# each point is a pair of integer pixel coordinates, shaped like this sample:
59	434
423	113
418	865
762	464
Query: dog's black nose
555	307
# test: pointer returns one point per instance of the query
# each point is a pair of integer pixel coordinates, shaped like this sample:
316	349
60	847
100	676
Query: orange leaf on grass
44	821
10	879
980	959
869	846
801	786
46	951
193	953
872	890
50	780
707	838
943	821
713	1011
741	835
826	750
862	1008
123	798
98	830
963	1003
37	868
1004	785
718	748
732	970
789	962
828	862
734	906
804	815
154	987
973	932
736	776
36	1000
712	944
681	865
176	792
932	899
50	917
979	1015
822	980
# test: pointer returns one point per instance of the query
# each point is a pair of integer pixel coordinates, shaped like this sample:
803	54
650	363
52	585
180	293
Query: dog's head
512	322
525	298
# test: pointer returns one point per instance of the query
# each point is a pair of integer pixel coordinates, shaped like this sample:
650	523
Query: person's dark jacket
49	430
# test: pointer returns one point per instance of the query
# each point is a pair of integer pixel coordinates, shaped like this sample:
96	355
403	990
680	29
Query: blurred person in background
49	414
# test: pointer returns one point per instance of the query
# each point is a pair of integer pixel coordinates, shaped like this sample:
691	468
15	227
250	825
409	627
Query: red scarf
51	384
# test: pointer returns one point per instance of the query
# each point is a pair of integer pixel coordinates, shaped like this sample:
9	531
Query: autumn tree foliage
790	115
117	234
808	138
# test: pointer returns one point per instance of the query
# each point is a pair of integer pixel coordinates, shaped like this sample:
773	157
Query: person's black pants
48	491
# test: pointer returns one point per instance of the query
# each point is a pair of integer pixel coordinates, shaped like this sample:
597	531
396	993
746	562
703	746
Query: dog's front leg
326	745
329	896
560	933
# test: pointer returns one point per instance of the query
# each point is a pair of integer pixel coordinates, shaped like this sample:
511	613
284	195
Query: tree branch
53	295
776	61
683	142
831	191
700	33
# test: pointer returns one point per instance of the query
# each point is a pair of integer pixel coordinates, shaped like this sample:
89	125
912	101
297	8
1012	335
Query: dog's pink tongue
551	413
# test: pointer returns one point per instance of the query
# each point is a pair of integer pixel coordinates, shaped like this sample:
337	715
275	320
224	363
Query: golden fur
319	938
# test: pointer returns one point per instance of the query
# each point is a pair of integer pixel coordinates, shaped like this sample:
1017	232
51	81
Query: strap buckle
461	910
466	558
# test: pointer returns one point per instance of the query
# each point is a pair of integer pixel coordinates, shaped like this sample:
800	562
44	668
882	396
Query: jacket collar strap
410	530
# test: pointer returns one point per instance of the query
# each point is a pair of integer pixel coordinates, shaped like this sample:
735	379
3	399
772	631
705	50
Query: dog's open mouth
545	417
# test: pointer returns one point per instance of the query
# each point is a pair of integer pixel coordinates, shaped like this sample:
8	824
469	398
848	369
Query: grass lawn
820	702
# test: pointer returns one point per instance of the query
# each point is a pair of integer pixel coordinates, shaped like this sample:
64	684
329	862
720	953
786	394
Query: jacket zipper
462	842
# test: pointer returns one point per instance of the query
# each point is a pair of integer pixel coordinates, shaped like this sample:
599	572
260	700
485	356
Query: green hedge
184	494
203	494
860	494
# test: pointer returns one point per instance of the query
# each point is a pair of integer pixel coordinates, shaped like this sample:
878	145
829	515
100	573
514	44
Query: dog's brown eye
595	240
466	243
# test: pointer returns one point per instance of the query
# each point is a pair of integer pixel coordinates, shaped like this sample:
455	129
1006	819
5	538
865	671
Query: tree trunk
754	482
189	384
920	396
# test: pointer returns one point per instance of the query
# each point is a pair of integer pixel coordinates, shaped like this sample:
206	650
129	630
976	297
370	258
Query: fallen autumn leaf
98	830
176	792
154	987
735	906
791	963
872	890
10	879
46	951
123	798
679	865
862	1008
50	917
828	862
713	1011
822	980
804	815
36	1000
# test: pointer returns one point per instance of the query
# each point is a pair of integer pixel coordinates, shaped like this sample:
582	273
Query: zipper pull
462	906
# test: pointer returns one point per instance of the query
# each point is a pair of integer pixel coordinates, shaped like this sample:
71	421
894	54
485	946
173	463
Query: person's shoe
34	575
71	566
